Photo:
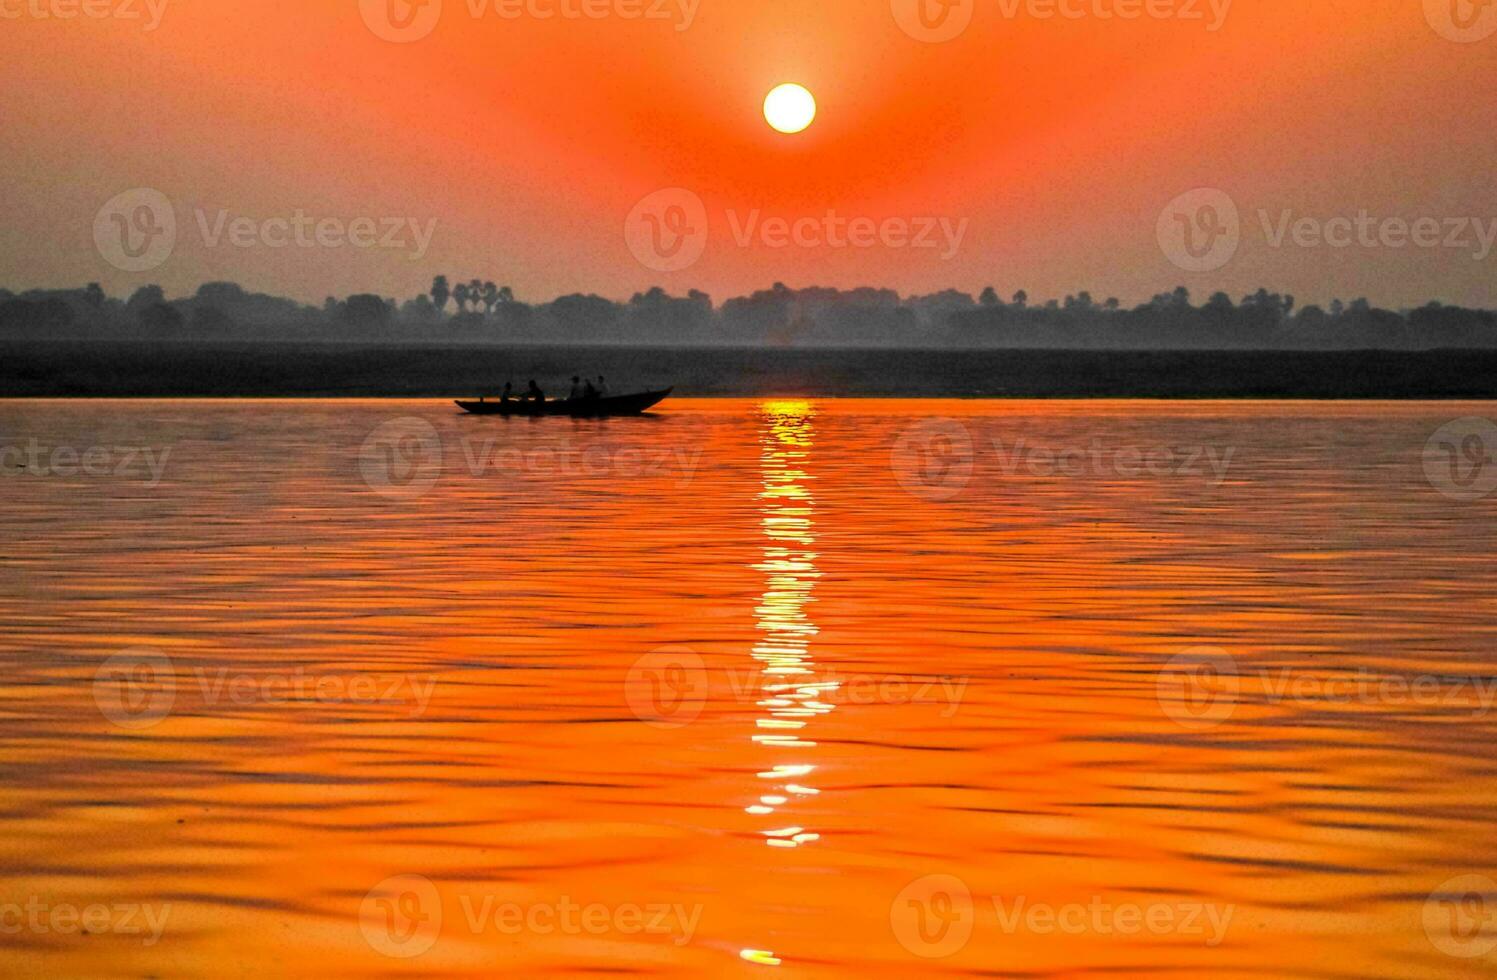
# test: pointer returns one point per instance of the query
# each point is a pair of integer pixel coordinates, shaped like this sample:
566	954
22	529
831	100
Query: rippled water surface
798	688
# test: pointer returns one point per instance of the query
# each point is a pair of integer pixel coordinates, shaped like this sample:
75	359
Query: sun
789	108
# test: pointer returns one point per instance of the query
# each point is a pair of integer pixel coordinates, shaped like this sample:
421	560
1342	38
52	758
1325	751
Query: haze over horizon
520	147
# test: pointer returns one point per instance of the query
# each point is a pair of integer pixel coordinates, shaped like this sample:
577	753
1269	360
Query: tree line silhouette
479	310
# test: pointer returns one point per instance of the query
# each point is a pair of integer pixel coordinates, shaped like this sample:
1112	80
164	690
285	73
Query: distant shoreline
299	369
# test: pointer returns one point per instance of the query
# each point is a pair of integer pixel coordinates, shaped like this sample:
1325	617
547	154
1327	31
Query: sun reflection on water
792	694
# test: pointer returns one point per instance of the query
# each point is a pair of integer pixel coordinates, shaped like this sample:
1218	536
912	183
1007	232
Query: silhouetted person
576	391
508	392
602	387
534	392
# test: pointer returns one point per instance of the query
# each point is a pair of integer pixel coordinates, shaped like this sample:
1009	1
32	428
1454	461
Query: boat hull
579	409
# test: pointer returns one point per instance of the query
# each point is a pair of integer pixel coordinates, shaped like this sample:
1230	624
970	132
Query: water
799	688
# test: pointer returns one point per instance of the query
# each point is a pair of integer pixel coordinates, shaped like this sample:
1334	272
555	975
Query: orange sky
528	141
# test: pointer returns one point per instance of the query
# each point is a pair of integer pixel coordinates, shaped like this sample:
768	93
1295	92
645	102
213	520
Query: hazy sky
1051	135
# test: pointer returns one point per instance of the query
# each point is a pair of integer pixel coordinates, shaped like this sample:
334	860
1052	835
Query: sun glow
789	108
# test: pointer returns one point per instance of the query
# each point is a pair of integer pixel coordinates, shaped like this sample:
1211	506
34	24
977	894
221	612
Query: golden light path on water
792	694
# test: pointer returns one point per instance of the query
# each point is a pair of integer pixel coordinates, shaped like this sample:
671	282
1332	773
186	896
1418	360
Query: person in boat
602	387
509	388
576	391
534	392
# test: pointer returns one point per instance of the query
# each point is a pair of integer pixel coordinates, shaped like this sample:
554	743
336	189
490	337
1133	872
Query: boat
577	408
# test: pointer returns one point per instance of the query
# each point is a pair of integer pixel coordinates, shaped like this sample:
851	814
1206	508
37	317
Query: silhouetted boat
575	408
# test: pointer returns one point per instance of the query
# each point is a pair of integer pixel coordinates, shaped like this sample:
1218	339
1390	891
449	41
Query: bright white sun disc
789	108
